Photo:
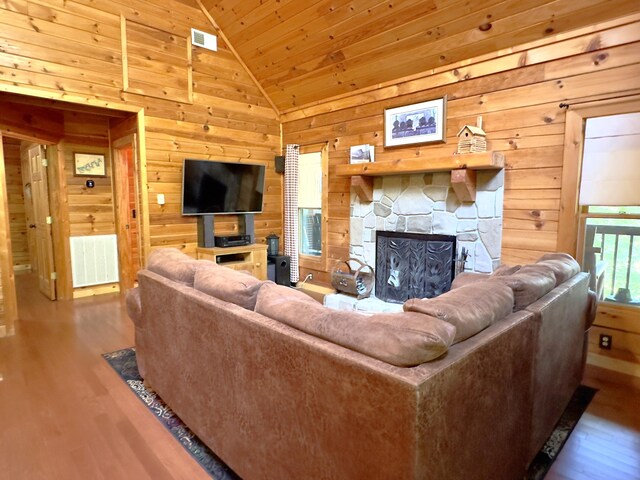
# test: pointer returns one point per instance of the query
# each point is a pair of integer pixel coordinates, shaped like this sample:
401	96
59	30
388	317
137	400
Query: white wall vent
204	40
94	260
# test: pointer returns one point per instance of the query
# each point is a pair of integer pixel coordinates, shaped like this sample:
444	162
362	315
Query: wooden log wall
18	222
78	50
517	92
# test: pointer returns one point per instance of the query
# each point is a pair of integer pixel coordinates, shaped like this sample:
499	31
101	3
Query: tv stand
206	237
252	258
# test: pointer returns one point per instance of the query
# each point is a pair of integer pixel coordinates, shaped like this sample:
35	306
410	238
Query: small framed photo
416	124
89	165
362	154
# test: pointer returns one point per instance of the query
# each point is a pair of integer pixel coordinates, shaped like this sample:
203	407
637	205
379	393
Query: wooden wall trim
145	228
8	286
70	98
60	230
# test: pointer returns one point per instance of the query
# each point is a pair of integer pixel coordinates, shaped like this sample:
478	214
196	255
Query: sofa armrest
134	305
592	309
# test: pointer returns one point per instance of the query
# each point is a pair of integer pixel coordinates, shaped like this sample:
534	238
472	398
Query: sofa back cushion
226	284
563	265
401	339
529	284
470	308
171	263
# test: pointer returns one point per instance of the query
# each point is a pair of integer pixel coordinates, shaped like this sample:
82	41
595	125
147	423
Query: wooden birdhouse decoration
472	139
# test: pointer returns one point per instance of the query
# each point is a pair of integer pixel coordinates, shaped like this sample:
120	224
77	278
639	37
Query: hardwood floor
65	414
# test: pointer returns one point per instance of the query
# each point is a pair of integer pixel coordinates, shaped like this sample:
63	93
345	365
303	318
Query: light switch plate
161	199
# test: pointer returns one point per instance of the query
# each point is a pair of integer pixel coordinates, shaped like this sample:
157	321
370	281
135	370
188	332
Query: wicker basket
357	282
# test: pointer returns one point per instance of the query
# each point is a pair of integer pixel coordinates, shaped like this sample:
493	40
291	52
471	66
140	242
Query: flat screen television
216	187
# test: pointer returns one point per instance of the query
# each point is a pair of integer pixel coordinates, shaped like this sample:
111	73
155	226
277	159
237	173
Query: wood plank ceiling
303	52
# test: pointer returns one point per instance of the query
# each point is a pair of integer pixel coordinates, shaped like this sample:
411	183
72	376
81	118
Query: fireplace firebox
413	265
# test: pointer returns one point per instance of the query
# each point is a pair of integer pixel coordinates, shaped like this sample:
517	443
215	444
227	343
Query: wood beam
32	124
363	187
463	182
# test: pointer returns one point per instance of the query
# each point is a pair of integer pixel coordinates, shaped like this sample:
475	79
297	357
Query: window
610	211
611	252
312	194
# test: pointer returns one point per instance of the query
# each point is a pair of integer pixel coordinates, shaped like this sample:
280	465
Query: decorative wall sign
89	165
414	124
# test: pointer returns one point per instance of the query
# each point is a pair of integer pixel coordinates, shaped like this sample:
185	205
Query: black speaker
279	159
281	271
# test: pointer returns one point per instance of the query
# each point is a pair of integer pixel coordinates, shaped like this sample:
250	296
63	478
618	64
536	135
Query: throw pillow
563	265
171	263
226	284
400	339
470	308
529	284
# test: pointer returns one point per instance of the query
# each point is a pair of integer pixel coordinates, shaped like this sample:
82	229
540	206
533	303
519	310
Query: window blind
611	161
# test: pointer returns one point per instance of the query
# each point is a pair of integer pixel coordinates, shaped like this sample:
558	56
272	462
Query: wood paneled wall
518	93
18	223
74	51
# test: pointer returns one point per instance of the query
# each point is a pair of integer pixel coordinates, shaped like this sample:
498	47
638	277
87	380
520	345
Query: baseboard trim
615	364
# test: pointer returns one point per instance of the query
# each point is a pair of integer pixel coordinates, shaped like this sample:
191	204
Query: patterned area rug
124	363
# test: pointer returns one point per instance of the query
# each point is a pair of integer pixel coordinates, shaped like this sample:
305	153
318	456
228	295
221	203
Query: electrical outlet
605	341
310	276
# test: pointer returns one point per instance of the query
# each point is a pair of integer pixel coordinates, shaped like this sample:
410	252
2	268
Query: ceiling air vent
204	40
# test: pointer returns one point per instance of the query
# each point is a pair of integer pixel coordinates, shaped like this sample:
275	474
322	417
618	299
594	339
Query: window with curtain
310	203
610	207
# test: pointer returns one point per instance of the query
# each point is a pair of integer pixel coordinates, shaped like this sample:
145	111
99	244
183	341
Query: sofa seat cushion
401	339
171	263
563	265
233	286
529	284
470	308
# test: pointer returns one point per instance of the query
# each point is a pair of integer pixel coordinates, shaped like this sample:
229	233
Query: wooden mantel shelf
470	161
462	168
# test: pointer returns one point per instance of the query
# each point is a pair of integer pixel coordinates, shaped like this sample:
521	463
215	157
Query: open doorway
79	206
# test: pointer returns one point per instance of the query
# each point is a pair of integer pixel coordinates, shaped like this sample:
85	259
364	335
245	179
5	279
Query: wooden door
42	220
127	209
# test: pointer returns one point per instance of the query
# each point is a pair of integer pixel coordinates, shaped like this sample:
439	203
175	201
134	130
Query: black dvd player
232	240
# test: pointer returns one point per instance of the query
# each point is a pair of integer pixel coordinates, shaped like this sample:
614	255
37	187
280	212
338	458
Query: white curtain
291	208
611	161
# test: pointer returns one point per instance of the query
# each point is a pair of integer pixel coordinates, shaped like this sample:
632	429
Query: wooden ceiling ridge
408	84
305	52
235	54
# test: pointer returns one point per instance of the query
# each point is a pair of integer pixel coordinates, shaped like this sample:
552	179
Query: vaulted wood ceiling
303	51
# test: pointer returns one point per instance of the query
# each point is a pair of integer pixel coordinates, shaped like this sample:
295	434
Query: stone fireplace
426	203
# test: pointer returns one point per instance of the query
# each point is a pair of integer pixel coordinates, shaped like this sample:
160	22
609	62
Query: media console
252	258
207	239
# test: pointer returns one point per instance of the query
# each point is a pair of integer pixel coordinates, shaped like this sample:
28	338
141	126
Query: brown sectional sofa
275	398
